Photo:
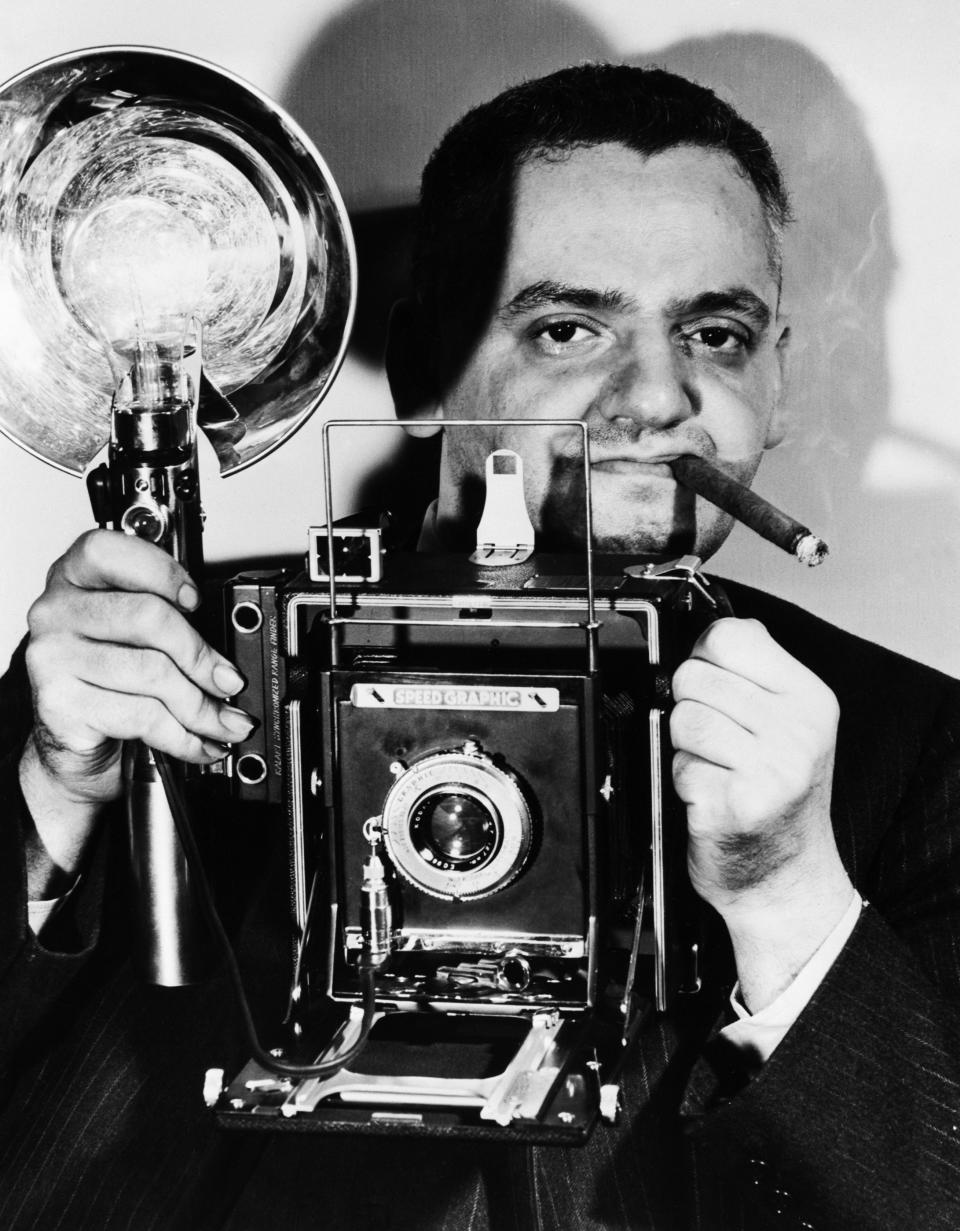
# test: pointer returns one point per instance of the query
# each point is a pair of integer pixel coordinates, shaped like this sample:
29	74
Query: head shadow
382	82
839	469
376	89
379	85
838	256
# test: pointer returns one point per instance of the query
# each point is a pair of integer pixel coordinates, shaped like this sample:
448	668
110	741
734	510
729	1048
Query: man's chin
657	544
659	547
634	514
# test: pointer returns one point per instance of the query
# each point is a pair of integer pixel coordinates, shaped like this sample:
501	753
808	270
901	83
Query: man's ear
410	369
777	428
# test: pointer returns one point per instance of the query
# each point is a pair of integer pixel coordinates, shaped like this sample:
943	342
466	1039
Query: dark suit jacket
854	1122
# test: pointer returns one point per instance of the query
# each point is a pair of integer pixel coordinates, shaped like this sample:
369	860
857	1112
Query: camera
473	760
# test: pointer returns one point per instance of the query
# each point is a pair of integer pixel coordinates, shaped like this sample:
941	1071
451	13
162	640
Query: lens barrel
457	824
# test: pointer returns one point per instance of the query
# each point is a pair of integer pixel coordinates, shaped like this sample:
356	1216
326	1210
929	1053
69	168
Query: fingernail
236	721
228	679
188	596
213	749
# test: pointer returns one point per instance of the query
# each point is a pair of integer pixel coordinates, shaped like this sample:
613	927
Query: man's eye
719	338
556	337
561	331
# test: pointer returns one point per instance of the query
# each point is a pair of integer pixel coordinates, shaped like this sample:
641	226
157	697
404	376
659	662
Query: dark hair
467	184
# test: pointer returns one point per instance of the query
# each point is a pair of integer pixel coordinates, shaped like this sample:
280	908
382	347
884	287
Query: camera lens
454	830
457	824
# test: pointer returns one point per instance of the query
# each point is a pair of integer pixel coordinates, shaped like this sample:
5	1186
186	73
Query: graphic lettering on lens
457	825
455	829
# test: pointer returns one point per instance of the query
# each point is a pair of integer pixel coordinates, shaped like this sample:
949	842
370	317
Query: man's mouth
654	467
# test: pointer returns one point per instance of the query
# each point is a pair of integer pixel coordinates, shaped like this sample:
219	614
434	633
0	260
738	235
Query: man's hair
467	184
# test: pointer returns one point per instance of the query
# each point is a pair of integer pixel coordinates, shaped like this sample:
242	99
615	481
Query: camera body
474	763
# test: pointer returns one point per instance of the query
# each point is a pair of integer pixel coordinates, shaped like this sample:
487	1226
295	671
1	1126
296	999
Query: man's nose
650	385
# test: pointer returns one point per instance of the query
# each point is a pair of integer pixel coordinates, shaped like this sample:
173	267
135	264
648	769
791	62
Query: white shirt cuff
760	1033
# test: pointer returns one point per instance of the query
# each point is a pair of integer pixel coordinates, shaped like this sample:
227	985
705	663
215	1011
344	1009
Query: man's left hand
754	733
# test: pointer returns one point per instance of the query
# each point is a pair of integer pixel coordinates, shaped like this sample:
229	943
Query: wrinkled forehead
587	211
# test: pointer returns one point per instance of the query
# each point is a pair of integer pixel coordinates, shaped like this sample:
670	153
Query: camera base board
525	1078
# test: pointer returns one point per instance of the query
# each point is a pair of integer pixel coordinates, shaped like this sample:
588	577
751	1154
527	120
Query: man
601	245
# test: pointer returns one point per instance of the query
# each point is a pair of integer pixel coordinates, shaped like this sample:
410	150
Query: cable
283	1068
302	942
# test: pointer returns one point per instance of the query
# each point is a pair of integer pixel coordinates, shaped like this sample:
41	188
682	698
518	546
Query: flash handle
150	489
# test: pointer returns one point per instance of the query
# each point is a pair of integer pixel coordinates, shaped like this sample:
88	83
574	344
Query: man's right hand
112	656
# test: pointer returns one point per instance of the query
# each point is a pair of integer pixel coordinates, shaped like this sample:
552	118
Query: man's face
637	296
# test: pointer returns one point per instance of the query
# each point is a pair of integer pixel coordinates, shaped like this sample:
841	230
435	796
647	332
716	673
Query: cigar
746	506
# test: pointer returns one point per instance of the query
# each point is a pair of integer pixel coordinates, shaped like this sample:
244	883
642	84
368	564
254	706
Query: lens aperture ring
457	826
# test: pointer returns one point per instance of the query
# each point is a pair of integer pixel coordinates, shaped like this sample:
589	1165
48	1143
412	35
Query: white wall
861	101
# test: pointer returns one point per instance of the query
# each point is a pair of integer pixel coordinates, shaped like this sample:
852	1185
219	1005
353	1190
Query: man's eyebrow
738	299
562	294
549	294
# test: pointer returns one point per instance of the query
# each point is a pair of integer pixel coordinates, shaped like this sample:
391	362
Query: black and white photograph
479	656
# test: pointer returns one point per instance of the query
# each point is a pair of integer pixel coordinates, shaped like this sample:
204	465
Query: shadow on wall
376	90
381	83
893	546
